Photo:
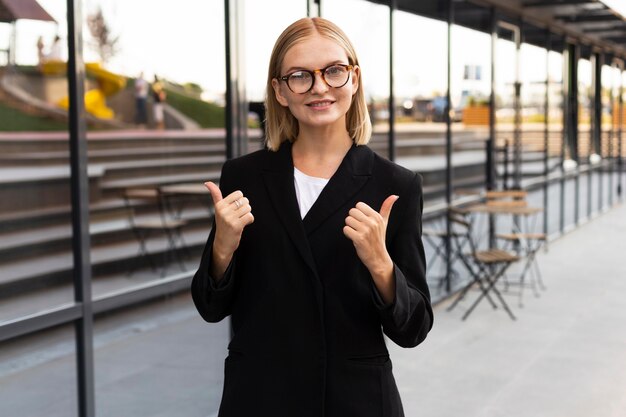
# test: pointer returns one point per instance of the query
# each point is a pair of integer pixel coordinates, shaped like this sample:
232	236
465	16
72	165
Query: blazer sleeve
409	318
213	299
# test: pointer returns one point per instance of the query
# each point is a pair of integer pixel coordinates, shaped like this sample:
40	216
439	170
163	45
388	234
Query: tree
104	43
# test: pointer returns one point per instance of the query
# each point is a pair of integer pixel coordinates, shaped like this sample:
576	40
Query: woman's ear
356	74
279	96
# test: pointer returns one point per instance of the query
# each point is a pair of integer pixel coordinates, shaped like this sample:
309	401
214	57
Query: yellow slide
95	99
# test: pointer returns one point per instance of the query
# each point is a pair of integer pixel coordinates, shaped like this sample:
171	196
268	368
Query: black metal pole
449	172
574	131
79	182
600	133
565	134
620	159
392	112
490	174
229	110
546	134
611	157
492	160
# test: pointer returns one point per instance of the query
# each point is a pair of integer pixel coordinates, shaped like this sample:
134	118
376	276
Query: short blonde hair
280	124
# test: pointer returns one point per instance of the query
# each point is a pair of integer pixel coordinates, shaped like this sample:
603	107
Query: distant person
55	50
158	97
315	250
141	98
41	56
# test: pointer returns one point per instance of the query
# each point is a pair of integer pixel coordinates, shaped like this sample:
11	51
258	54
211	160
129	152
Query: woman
315	246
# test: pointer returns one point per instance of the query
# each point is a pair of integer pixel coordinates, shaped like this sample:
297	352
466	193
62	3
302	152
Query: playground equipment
95	99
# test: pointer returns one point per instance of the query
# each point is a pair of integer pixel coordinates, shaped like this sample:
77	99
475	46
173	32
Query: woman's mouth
318	104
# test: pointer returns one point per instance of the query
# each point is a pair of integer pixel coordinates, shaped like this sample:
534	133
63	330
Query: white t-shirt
307	189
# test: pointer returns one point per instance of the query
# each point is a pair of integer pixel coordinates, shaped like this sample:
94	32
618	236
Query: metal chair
436	238
145	226
486	267
521	239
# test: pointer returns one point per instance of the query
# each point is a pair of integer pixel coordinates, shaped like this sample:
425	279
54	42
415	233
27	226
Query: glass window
470	93
585	109
369	34
505	78
155	104
36	235
38	374
420	83
259	39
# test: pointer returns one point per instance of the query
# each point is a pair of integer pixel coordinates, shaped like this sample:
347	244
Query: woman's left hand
366	228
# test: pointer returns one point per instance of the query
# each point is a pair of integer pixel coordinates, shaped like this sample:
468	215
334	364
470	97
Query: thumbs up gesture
366	228
232	214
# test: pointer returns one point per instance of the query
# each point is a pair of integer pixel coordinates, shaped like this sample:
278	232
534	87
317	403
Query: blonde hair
281	125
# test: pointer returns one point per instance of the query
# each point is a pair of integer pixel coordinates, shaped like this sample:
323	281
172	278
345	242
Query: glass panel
160	360
585	110
583	205
470	90
607	90
570	202
505	109
555	108
38	375
533	92
259	40
420	99
35	227
369	34
554	208
155	104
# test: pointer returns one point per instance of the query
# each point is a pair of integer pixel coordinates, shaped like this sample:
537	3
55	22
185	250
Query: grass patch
205	114
12	120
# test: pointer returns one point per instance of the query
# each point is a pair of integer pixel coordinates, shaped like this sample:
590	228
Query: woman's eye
300	75
334	70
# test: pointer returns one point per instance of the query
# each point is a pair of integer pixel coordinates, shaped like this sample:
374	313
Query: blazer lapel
278	178
353	172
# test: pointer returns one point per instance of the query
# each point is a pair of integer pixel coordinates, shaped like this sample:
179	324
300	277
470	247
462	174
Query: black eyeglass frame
285	78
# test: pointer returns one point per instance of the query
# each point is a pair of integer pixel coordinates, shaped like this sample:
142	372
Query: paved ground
564	356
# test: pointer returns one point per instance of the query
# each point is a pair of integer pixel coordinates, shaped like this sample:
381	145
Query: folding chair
436	238
144	227
523	242
486	267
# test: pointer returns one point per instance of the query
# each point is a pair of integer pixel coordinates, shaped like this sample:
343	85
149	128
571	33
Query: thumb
216	194
385	209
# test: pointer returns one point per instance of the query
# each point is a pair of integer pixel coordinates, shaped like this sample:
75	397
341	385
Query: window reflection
35	230
369	34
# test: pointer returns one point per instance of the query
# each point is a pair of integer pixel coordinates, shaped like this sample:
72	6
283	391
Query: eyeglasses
302	81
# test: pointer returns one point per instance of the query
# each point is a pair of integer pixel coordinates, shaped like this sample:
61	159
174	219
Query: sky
186	44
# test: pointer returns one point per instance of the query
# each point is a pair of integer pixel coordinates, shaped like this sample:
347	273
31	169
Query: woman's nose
319	84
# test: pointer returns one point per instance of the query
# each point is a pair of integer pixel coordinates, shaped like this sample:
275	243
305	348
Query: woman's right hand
232	214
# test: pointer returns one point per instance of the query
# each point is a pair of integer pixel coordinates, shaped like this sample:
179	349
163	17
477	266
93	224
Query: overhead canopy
590	23
12	10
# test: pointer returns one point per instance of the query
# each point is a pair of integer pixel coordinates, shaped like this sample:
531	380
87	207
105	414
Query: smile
320	103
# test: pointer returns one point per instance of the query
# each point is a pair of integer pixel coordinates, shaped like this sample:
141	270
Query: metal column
392	106
236	103
546	134
449	172
80	212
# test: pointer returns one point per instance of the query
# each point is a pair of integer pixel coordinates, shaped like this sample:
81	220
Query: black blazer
306	315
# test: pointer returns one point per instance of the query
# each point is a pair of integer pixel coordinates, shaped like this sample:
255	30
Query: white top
307	189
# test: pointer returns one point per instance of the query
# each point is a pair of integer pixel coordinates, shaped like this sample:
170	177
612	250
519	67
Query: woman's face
322	105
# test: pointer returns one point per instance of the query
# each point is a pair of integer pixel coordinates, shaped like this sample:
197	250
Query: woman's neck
319	152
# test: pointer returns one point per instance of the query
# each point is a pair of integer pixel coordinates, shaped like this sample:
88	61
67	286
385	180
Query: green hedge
203	113
12	120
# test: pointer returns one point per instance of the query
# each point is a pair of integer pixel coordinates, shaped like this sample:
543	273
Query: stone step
37	158
21	276
165	167
42	241
115	188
